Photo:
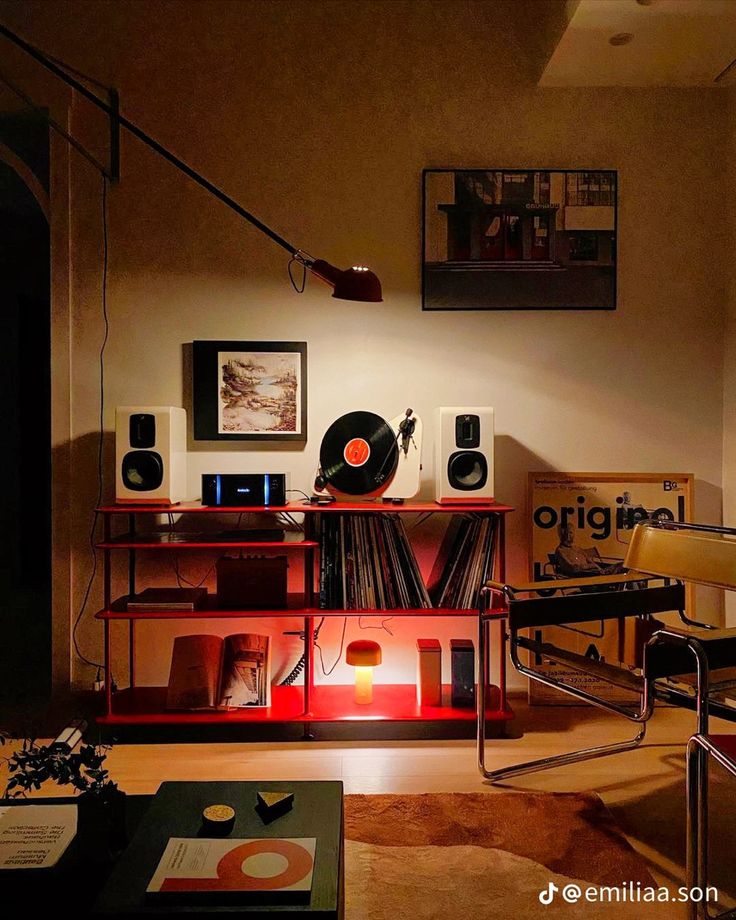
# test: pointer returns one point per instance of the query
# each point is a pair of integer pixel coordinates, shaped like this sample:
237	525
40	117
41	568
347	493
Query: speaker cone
467	470
143	470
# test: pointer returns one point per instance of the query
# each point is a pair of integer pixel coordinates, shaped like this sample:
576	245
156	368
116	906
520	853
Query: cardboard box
252	583
429	672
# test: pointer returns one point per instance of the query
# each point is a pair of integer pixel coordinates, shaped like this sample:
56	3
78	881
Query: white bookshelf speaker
464	455
150	455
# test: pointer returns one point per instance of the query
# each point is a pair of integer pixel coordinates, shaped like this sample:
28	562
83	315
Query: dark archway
25	411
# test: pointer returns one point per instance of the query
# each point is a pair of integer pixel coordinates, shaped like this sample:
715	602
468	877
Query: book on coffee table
35	836
273	869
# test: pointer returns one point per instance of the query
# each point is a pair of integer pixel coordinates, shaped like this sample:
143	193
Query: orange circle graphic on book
230	868
357	451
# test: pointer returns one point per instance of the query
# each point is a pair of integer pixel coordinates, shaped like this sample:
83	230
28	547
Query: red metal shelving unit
391	703
306	703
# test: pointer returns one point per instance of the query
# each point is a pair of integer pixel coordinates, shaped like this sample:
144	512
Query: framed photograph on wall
250	391
519	239
580	524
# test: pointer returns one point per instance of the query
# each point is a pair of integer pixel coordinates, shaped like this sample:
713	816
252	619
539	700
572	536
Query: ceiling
675	43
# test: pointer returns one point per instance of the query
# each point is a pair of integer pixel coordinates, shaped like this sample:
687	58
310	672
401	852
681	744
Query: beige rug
487	857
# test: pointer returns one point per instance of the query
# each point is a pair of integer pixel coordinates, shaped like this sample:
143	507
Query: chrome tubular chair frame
699	749
640	715
658	551
696	553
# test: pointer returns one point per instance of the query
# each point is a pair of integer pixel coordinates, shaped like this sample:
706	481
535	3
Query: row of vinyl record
367	563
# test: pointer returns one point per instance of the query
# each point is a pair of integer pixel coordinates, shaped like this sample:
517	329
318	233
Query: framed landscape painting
519	239
250	391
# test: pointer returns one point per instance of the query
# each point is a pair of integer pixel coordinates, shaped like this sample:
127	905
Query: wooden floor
644	788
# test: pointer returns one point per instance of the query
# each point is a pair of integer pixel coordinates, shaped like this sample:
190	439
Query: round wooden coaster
218	819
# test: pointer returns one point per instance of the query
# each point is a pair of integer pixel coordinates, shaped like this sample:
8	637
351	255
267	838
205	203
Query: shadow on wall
710	603
513	461
83	456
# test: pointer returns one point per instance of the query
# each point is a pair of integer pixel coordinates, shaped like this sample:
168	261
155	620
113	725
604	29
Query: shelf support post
308	664
502	621
106	559
108	671
131	591
482	678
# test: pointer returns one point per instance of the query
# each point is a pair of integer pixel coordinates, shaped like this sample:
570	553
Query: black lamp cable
381	625
299	285
339	654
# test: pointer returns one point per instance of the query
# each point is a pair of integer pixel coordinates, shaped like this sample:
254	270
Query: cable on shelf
299	666
174	561
381	625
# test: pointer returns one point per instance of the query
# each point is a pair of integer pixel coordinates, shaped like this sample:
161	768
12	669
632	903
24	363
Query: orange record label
357	451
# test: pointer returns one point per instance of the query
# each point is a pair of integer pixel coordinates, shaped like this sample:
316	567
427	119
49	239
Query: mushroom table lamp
364	655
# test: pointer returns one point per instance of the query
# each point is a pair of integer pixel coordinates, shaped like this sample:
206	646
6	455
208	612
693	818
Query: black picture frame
575	270
210	421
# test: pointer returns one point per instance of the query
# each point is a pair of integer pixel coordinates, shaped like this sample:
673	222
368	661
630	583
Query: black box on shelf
462	664
151	600
252	583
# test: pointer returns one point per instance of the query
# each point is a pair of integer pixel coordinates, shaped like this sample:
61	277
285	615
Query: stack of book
464	562
367	563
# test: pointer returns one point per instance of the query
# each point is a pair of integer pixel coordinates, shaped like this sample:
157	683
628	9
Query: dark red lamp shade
356	283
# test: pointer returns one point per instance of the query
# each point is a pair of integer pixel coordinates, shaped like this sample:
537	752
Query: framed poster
250	391
519	239
581	524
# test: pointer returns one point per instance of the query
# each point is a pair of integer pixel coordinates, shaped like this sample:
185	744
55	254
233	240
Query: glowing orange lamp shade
364	655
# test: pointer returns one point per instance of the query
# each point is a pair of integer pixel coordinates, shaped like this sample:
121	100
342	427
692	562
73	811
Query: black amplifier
243	490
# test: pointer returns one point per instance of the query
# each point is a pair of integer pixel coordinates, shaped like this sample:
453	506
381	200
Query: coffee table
176	812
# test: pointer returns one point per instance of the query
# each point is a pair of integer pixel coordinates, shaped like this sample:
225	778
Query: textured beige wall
319	117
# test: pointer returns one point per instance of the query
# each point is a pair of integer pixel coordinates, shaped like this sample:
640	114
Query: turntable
364	455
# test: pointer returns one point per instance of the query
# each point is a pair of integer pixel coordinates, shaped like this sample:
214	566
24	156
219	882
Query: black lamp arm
117	121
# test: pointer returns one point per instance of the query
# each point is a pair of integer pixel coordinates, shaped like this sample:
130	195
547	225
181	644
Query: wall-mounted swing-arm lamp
356	283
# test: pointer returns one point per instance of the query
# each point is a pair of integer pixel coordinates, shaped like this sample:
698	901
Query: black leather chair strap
580	608
672	655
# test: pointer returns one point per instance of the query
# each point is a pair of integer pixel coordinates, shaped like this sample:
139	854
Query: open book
208	672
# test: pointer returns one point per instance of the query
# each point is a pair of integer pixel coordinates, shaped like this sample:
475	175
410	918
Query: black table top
176	811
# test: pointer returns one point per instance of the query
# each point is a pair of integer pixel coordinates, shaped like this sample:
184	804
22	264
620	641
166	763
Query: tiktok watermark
628	893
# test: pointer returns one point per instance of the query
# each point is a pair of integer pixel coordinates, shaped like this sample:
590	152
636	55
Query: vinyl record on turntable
358	454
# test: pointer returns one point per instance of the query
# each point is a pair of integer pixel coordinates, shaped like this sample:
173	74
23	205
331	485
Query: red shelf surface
391	703
296	608
210	611
409	507
146	706
197	541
